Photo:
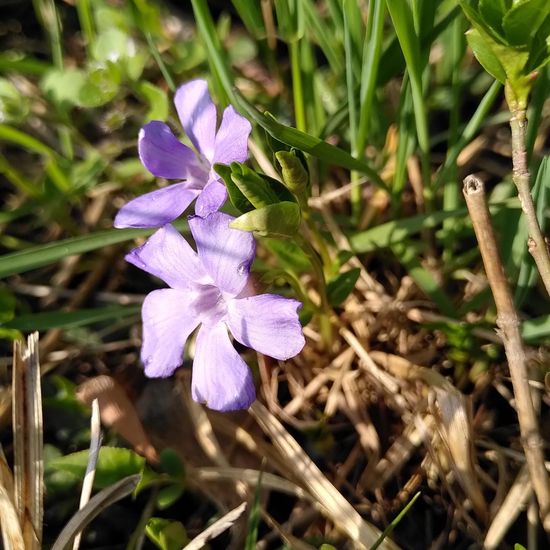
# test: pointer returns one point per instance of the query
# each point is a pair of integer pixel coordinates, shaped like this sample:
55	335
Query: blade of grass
469	132
44	254
349	6
17	137
369	73
70	319
216	59
388	530
324	36
254	518
395	231
47	14
251	15
97	504
401	16
86	19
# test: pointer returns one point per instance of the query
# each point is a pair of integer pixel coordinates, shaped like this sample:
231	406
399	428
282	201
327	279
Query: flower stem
509	324
537	243
325	309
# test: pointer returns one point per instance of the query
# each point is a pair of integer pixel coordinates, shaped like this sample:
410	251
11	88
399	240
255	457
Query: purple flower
211	288
166	157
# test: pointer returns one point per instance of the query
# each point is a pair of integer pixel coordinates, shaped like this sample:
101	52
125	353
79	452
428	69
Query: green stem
521	176
47	13
325	309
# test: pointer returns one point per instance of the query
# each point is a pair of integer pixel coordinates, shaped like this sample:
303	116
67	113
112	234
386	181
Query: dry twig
509	324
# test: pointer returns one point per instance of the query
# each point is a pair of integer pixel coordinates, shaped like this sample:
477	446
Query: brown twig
509	324
537	243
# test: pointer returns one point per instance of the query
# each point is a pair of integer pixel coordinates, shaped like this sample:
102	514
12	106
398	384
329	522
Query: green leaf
14	106
339	288
386	234
101	85
521	23
171	463
276	220
7	304
485	54
238	200
307	143
112	45
63	86
492	12
159	106
113	464
289	255
44	254
251	15
166	534
70	319
536	330
168	496
252	186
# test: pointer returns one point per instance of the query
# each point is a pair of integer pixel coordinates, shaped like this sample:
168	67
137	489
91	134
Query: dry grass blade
97	504
28	441
252	477
95	445
336	507
224	523
455	428
118	412
515	502
12	537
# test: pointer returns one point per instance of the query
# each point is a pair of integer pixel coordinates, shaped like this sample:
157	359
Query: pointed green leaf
485	54
166	534
339	288
492	12
113	463
252	186
523	20
276	220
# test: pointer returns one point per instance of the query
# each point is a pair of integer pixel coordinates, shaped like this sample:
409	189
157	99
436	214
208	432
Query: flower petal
267	323
225	253
221	379
168	256
169	317
163	154
156	208
211	199
232	138
197	114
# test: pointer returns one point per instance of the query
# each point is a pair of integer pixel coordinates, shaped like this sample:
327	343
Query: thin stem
521	177
509	325
325	309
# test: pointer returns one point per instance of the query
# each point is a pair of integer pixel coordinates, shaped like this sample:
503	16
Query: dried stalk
27	441
537	242
95	445
509	325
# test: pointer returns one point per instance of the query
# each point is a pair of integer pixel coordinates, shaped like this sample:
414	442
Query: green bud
295	176
276	220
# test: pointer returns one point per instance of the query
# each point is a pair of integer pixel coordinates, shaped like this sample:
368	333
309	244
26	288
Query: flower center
212	304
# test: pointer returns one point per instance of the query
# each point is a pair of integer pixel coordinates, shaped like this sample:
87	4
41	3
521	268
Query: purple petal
225	253
221	379
168	256
232	138
197	114
156	208
211	199
163	154
169	317
267	323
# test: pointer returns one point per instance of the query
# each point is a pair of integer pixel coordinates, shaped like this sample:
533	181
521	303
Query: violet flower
211	288
166	157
